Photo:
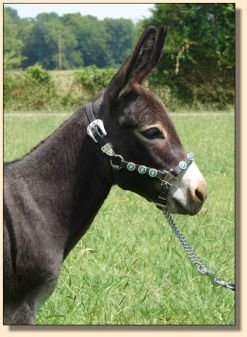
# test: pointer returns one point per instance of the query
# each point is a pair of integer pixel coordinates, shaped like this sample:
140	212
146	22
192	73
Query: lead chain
192	255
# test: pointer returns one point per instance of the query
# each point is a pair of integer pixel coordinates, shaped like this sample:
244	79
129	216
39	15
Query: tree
66	42
12	43
120	38
91	39
50	44
200	48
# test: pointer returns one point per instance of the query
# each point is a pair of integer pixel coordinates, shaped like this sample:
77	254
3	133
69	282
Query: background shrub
93	79
32	89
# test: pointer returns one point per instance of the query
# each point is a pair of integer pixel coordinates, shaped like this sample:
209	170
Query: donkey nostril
199	194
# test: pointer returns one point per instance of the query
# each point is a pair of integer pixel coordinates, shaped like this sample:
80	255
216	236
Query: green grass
137	272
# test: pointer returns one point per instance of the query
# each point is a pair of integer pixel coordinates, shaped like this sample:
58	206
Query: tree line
65	42
198	63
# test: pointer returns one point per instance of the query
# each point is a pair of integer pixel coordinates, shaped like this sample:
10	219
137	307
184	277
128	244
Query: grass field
129	268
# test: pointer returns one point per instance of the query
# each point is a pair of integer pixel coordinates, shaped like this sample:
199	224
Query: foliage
138	273
66	42
93	79
46	36
120	38
29	89
39	74
67	90
49	90
200	52
91	39
13	44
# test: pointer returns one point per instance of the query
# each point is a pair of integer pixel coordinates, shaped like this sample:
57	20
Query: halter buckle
96	126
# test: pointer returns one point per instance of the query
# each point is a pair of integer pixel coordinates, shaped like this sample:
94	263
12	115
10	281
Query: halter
97	132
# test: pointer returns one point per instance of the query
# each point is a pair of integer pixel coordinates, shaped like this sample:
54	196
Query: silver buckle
93	126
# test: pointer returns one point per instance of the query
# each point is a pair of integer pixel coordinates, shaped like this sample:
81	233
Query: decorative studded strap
154	173
141	169
183	164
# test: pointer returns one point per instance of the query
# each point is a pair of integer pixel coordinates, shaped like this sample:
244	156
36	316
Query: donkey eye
153	133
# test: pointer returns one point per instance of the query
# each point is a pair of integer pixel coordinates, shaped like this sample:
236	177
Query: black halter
97	132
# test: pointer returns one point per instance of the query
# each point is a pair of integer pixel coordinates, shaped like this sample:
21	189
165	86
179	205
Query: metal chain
202	269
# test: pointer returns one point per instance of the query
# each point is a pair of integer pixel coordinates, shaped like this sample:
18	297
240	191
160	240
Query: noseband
97	132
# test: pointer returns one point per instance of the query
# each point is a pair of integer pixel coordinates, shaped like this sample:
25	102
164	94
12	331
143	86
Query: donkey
53	193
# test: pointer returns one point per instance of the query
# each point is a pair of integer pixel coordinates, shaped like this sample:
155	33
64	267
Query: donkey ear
140	63
154	58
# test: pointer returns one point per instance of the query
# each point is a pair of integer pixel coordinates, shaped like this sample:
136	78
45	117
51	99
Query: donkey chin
189	193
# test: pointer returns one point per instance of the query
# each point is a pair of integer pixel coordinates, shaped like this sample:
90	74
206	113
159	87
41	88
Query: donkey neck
69	177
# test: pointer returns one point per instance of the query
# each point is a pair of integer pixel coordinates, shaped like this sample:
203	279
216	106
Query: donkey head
140	130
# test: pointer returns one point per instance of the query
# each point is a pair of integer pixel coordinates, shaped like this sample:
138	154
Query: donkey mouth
179	208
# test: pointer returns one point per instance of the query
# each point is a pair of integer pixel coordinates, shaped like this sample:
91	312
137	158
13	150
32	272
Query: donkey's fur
53	193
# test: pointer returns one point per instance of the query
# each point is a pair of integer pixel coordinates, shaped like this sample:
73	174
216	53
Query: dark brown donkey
53	193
